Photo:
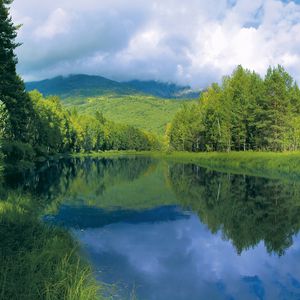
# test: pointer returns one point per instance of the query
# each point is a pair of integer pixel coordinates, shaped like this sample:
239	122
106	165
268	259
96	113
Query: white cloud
192	41
57	23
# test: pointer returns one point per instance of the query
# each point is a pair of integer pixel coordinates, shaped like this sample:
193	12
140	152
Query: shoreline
276	165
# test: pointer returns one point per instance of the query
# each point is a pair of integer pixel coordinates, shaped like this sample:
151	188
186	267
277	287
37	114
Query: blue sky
190	42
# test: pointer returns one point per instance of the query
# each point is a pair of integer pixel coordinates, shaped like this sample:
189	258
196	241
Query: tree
53	131
186	131
12	90
276	109
241	92
216	112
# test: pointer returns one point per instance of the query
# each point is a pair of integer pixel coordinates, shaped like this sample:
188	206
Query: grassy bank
265	164
38	261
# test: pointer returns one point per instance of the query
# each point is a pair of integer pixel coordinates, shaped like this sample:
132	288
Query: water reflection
247	210
84	217
172	231
182	260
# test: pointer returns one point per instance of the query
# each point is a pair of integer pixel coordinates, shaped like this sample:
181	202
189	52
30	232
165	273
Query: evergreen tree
216	112
12	90
276	109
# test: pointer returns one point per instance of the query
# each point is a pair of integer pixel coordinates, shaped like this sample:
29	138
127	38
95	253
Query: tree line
57	130
245	112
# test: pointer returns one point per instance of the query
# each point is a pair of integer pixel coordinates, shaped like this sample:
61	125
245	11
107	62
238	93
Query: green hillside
147	105
144	112
79	86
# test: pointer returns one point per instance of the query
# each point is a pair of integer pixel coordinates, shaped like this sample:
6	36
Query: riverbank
263	164
39	261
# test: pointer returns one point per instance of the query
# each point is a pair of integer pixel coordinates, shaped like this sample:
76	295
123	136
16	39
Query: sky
191	42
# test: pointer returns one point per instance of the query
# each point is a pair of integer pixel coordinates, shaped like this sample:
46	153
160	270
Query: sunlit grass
267	164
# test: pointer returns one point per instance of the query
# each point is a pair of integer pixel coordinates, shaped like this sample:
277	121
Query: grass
38	261
144	112
263	164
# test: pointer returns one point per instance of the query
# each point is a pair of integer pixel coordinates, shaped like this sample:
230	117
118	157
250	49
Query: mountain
90	86
162	89
78	86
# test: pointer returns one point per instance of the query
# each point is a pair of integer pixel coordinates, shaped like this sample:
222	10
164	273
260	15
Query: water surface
159	230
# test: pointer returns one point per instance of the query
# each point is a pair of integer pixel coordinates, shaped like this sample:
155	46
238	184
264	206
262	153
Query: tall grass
265	164
38	261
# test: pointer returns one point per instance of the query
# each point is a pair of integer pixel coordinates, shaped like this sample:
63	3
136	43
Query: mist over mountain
163	89
90	85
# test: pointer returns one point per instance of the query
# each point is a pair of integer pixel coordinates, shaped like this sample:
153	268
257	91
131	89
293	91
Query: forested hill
78	86
89	86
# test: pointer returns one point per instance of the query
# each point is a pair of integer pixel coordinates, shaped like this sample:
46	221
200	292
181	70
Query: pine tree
276	108
12	89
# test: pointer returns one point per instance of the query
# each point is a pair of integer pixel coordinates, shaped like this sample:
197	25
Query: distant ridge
90	86
163	90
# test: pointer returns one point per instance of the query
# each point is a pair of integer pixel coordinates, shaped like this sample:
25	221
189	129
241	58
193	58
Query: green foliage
12	90
95	133
57	130
244	113
53	132
144	112
187	126
17	151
